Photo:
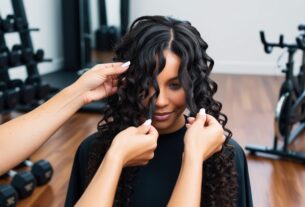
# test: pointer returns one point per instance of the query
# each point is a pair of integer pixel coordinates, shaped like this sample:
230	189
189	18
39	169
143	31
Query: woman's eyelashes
174	85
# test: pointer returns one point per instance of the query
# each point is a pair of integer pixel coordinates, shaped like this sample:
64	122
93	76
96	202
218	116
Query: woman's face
170	104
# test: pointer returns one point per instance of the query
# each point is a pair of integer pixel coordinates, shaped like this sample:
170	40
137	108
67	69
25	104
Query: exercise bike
289	119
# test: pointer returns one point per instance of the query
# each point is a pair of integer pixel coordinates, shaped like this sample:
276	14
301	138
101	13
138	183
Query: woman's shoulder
89	140
86	144
238	150
239	154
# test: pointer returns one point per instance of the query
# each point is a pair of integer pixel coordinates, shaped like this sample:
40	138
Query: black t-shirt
155	181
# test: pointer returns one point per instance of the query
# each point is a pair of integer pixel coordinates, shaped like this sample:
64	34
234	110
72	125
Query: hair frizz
143	46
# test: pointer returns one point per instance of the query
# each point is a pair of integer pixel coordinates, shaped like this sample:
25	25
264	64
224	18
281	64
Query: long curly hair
143	45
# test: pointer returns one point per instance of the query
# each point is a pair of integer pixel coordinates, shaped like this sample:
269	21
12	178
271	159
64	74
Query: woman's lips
162	116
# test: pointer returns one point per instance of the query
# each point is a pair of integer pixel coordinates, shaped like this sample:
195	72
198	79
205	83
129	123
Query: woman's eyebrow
174	78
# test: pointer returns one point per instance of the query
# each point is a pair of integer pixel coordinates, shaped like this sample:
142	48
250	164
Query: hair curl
144	45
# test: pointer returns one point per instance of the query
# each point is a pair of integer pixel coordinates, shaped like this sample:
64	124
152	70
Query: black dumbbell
5	25
26	54
39	55
9	58
8	196
10	96
27	91
3	60
18	23
23	182
42	170
42	89
13	57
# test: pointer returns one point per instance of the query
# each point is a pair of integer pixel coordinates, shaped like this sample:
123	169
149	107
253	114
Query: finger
106	65
211	120
153	132
201	116
188	126
144	128
116	70
113	90
114	82
191	120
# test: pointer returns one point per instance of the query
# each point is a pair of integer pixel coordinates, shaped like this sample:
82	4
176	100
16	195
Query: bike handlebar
269	46
301	27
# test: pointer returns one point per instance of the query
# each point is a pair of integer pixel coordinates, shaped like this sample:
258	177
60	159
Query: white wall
231	28
45	15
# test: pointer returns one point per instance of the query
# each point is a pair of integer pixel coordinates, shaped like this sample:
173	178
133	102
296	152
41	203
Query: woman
169	73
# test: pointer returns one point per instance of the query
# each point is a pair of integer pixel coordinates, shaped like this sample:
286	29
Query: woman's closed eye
175	85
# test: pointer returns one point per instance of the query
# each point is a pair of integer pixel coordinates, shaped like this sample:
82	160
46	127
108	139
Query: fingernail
125	65
202	112
147	122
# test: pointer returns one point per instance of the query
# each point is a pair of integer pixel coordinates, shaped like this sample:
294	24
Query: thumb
201	116
145	127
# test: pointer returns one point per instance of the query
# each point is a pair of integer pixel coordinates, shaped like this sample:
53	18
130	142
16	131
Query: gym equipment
290	110
41	88
26	54
107	36
76	34
42	170
23	182
8	196
17	22
5	25
14	24
13	58
27	91
10	96
3	59
39	55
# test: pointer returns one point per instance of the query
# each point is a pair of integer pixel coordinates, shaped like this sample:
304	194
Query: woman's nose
162	99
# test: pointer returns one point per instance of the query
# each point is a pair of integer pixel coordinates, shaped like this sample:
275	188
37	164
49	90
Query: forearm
102	188
20	137
187	191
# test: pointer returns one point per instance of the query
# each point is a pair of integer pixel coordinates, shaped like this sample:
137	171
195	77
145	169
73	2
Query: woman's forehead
171	68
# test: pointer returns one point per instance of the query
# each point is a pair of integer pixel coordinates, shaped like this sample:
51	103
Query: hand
100	81
135	146
204	136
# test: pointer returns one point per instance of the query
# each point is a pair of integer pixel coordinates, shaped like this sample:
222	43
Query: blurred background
77	34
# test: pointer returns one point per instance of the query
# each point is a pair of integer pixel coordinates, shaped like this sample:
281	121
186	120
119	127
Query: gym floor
249	103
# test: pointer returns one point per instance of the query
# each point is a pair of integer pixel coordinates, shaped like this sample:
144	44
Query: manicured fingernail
202	112
147	122
125	65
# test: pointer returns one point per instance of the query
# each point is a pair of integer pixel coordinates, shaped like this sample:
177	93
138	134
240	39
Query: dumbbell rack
17	94
23	96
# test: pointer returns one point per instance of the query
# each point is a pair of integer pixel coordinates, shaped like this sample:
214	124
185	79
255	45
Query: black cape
155	181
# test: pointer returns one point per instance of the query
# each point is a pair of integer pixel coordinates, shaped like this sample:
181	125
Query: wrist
115	157
74	90
192	158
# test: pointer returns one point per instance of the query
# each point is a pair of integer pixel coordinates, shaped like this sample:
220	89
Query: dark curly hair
144	45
